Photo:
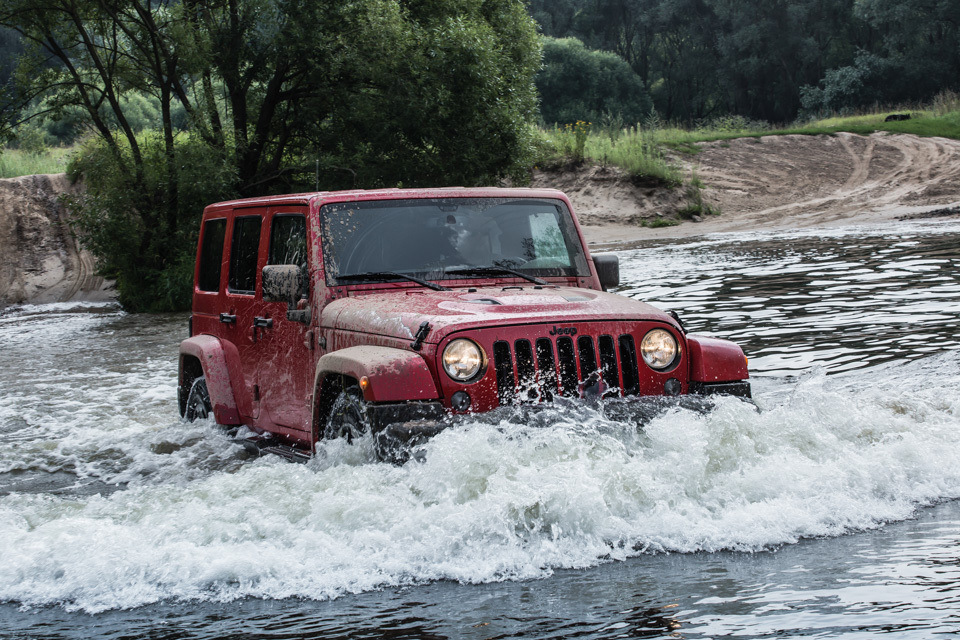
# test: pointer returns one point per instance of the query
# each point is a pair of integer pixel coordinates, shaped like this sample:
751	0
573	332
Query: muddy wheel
198	402
348	416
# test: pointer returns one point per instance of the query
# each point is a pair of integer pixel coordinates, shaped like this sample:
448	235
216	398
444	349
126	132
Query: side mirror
608	270
286	283
282	283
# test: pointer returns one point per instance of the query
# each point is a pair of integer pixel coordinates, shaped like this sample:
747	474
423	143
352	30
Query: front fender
715	360
395	375
214	360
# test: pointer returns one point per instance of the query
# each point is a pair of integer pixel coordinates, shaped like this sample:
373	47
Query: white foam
824	456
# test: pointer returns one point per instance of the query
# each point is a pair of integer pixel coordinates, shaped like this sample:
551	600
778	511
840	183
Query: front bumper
398	427
740	389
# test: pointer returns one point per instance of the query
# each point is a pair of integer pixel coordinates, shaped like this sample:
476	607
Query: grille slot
567	360
608	362
526	372
547	368
628	360
542	369
503	363
588	357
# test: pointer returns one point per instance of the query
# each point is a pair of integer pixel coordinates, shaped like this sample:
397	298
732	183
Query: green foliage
198	100
768	59
945	102
635	150
657	223
32	140
577	83
572	139
146	244
440	93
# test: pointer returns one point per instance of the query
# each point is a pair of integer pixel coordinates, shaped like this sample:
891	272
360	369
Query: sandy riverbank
776	182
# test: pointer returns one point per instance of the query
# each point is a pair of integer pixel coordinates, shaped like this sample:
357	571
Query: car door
208	280
242	304
287	349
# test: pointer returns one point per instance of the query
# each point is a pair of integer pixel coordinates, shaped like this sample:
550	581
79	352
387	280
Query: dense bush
577	83
869	81
139	238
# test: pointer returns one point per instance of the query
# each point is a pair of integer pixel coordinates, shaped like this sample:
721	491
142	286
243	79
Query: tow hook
422	333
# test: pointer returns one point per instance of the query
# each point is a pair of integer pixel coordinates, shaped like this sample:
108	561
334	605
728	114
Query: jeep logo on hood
560	331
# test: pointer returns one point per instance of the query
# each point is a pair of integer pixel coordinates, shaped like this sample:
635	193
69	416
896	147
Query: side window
211	254
288	240
244	250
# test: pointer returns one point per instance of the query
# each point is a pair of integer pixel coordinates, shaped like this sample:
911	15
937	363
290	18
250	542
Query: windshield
431	237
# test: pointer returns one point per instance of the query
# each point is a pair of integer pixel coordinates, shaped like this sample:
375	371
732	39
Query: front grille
565	367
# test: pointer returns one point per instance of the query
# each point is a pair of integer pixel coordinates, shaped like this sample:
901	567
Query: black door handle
227	318
263	323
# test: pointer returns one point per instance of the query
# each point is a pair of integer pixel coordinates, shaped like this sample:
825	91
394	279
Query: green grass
656	223
634	150
924	122
921	123
14	162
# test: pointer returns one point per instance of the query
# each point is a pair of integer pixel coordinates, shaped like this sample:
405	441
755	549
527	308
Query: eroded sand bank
776	182
40	259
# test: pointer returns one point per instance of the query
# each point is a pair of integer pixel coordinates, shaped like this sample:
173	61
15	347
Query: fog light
672	387
460	401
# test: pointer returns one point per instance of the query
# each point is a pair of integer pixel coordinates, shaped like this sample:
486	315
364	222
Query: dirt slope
40	260
781	182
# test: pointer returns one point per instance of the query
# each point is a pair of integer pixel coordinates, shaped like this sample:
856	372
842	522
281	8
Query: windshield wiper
380	275
480	271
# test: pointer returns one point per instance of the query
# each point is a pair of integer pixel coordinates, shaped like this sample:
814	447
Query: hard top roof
322	197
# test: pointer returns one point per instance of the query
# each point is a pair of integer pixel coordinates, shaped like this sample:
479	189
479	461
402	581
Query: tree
377	92
688	62
577	83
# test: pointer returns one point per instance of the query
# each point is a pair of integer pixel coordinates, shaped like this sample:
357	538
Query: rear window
211	255
244	251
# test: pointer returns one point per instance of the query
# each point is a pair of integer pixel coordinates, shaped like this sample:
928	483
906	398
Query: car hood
400	313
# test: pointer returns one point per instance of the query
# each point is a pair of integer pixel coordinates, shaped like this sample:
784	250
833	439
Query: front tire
198	402
348	417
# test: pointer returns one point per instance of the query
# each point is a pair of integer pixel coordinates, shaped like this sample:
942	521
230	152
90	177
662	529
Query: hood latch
422	333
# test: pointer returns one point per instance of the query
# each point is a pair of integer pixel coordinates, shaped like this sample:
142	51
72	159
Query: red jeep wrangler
329	315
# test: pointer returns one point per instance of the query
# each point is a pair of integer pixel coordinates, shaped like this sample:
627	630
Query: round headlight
462	359
658	348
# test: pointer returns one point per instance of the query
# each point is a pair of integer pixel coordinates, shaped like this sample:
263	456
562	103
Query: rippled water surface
825	510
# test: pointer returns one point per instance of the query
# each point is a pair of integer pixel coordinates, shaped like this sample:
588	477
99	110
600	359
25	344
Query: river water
828	509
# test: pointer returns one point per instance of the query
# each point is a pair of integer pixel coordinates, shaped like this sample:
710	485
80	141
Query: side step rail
263	446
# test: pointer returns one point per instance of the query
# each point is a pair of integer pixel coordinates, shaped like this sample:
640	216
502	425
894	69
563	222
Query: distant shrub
946	102
577	83
32	140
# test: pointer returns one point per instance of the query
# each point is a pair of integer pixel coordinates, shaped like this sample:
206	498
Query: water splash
494	501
